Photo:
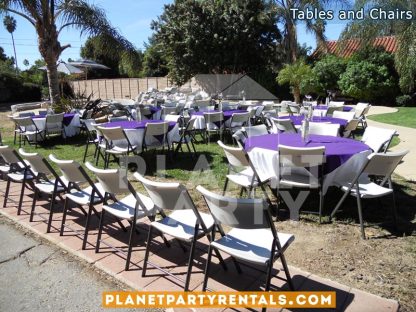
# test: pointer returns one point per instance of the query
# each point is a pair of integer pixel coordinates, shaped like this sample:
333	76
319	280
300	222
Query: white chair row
249	219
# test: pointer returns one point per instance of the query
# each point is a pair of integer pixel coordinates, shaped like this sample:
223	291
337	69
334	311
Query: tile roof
389	43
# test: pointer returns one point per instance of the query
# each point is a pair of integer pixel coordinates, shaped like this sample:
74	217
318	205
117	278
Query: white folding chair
378	139
377	164
130	208
301	168
54	125
350	128
237	121
47	182
25	128
17	171
293	109
252	238
76	176
156	135
117	143
255	130
344	115
184	222
331	109
214	123
322	128
186	136
284	125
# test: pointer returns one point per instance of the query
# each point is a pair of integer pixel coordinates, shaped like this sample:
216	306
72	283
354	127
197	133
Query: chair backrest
383	164
255	130
240	118
190	124
168	110
157	128
174	118
27	114
112	133
285	125
43	112
54	119
377	138
360	108
113	181
71	170
331	109
237	212
294	108
240	138
343	115
322	128
23	122
213	117
352	125
10	155
38	163
167	196
290	156
259	110
118	118
236	156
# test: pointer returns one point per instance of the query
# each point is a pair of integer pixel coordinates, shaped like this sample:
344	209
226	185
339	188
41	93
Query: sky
131	17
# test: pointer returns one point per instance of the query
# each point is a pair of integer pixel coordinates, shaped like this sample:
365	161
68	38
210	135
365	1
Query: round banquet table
337	150
297	120
135	130
200	121
325	107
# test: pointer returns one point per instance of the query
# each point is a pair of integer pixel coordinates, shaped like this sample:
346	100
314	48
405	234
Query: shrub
405	100
12	89
327	73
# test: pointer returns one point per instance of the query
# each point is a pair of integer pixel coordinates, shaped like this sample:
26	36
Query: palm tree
10	23
285	9
404	30
50	17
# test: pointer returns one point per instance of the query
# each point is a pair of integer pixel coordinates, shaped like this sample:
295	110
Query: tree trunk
53	78
15	55
296	94
292	41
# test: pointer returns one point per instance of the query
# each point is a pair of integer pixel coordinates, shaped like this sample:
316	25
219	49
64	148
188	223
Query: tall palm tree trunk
53	78
15	55
292	41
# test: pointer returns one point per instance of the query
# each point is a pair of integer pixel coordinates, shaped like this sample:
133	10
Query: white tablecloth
266	164
71	130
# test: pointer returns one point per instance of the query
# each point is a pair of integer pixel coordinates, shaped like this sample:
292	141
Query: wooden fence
123	88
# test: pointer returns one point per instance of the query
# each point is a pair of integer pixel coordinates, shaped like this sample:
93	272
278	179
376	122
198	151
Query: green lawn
406	117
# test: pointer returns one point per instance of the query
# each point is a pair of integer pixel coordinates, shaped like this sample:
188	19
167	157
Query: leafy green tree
222	36
404	30
367	81
326	74
154	61
10	24
50	17
294	75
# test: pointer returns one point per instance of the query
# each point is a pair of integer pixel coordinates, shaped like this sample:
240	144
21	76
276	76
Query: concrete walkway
37	276
171	259
407	136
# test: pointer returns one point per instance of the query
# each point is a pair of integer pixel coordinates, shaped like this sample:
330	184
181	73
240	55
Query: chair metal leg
133	226
207	267
87	225
146	255
86	151
100	230
190	263
6	195
360	216
64	217
51	212
269	276
32	211
321	204
287	273
22	191
225	187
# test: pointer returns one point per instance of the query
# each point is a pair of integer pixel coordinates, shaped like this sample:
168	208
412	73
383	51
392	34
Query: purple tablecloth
133	124
67	118
297	120
337	150
227	114
325	107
